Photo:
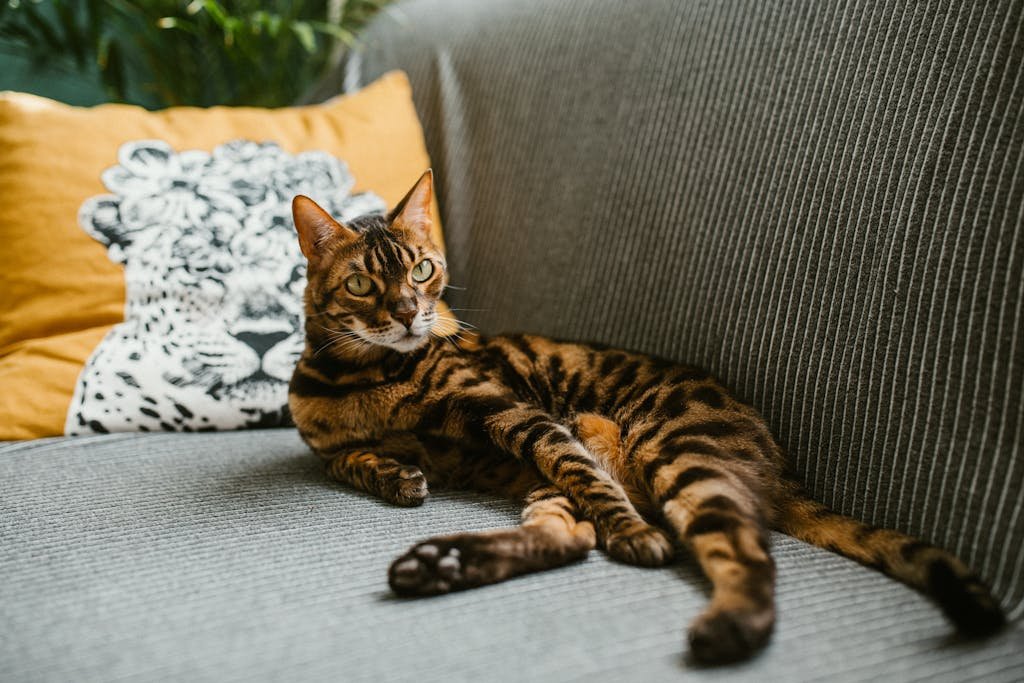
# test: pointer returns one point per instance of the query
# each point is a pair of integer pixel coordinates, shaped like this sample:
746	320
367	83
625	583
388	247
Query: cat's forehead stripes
381	250
385	253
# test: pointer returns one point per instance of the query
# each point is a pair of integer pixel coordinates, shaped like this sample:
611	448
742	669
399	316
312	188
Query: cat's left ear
413	213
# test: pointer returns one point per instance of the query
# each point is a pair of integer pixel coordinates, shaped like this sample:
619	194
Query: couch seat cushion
229	556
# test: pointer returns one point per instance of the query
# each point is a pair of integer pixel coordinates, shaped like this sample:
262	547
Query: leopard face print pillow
214	280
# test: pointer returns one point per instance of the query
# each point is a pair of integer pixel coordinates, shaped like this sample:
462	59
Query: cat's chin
408	343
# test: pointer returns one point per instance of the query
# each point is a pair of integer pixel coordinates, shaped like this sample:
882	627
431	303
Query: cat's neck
344	364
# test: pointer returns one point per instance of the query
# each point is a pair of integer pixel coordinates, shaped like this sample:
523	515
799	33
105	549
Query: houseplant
171	52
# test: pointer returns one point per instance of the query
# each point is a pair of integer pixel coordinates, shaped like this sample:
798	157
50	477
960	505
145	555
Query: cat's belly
457	464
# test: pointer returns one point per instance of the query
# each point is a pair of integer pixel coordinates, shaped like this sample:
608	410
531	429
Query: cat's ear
316	227
413	212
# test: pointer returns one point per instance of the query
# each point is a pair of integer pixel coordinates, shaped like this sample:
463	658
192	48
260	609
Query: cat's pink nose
404	315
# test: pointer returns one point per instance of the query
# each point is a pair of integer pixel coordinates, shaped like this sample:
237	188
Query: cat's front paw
640	544
406	486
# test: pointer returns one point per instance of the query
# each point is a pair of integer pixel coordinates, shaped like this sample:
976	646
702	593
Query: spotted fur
606	446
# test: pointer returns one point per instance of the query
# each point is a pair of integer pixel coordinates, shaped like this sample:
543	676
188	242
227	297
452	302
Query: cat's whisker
336	338
450	338
324	347
345	345
344	340
458	337
442	335
336	335
331	330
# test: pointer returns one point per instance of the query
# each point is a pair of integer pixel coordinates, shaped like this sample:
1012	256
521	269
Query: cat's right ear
316	228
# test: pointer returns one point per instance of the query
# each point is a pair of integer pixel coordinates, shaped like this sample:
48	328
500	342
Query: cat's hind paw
641	544
430	568
450	563
721	637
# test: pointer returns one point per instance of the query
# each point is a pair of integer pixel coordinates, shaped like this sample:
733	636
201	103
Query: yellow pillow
91	196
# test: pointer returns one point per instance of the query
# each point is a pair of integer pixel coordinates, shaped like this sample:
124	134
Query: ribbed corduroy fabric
821	202
230	557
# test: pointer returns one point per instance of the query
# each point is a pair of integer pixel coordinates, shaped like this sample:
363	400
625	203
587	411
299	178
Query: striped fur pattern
606	447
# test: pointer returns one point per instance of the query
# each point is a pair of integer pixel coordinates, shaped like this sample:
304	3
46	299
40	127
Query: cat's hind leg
640	543
550	536
531	435
717	516
731	545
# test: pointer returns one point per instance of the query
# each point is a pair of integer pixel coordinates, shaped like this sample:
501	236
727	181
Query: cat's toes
721	637
407	487
640	544
584	536
428	569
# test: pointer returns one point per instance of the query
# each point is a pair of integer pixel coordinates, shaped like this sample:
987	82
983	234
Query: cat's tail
961	595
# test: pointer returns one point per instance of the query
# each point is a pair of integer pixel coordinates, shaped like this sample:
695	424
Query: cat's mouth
407	341
396	337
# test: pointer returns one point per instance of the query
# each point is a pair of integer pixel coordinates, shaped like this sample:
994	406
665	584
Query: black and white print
214	280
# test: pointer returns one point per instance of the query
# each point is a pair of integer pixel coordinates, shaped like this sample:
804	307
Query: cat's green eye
359	285
423	270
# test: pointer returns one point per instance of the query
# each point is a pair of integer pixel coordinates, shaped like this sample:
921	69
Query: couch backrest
821	202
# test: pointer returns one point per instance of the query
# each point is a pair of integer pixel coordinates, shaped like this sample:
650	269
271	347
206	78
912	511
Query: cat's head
374	281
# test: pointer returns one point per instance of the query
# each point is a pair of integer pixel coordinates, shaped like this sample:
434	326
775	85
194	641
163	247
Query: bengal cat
605	446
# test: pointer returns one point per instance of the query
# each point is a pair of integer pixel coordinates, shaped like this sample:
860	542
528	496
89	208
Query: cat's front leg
393	479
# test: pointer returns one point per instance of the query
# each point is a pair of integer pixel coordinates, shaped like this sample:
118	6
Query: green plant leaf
334	30
102	51
304	32
217	12
43	30
73	35
112	73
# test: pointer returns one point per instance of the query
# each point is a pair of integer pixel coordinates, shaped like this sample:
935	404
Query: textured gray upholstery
229	557
822	202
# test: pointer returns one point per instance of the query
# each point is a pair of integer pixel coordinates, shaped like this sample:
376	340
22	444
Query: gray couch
822	202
